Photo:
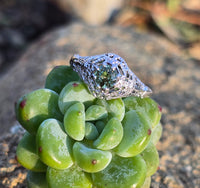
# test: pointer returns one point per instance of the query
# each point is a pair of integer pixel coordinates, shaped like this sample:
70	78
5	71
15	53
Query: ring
108	76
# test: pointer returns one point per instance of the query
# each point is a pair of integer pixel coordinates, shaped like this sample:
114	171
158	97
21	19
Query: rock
93	12
192	5
173	79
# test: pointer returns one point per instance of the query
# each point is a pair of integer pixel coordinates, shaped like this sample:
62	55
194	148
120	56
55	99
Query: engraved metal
108	76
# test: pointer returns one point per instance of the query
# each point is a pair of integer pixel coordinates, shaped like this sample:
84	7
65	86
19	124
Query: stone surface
94	12
174	81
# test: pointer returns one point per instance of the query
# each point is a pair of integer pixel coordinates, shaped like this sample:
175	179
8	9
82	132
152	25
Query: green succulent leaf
60	76
95	112
151	157
111	135
72	93
100	126
37	106
27	154
91	132
121	173
156	134
89	159
54	145
114	107
137	134
146	106
36	180
74	121
73	177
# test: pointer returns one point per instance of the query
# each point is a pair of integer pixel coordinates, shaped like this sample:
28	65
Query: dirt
12	174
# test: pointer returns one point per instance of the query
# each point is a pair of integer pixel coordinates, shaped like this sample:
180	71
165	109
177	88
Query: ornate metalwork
108	76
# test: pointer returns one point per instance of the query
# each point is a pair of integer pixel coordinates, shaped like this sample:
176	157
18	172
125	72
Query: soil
12	174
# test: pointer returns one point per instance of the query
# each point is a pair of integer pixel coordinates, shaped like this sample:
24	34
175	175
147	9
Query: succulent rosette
74	140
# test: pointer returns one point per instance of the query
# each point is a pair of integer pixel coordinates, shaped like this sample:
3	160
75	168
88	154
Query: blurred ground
163	52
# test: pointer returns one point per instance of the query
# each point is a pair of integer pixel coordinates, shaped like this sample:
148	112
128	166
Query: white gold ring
108	76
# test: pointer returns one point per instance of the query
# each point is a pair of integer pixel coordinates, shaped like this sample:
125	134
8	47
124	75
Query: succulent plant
74	140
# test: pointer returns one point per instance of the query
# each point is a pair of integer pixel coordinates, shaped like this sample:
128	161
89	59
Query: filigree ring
108	76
